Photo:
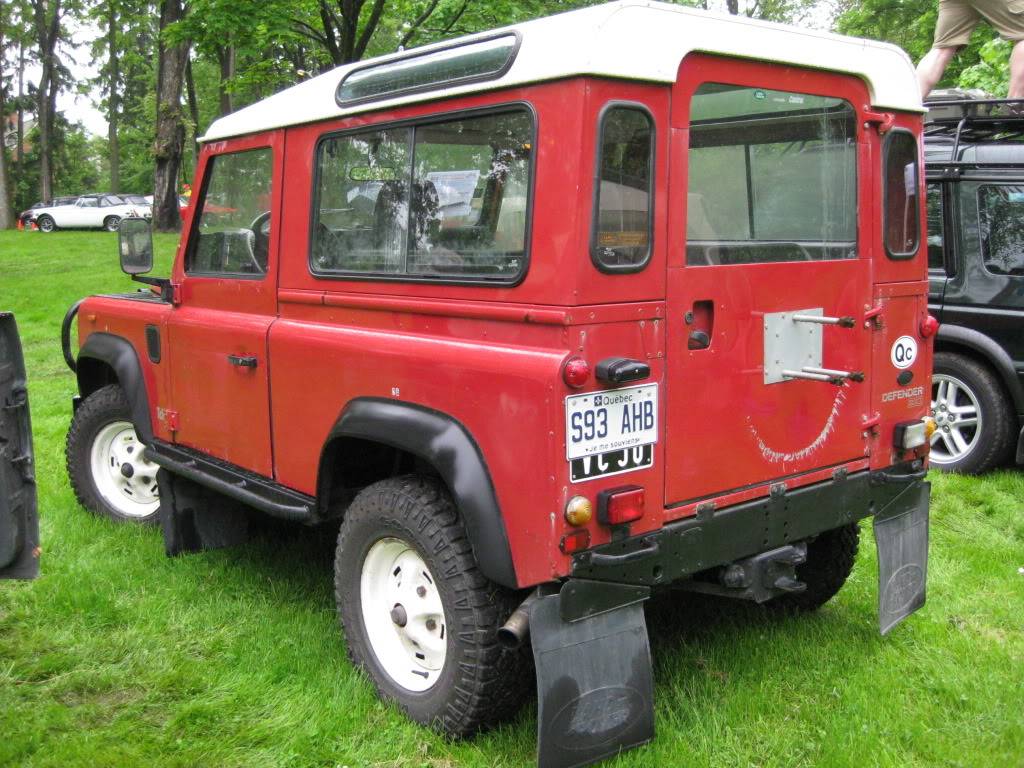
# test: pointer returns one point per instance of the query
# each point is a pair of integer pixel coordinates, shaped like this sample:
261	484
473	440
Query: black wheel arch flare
952	337
448	447
103	351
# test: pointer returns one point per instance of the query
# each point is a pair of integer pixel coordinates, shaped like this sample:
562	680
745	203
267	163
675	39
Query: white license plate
601	422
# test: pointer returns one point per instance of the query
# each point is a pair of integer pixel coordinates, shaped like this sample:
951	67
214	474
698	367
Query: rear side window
772	177
624	190
232	233
901	195
1001	225
443	200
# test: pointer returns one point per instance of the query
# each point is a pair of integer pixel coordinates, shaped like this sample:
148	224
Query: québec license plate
611	429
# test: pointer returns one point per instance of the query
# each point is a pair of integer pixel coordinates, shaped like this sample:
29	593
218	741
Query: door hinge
169	418
883	120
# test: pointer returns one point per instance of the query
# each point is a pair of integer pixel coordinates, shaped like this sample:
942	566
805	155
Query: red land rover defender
548	318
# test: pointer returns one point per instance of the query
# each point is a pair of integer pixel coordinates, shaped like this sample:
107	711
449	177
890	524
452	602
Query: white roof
629	39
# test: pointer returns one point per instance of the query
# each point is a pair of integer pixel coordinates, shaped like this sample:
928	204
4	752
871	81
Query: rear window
1001	224
902	228
624	189
772	177
443	200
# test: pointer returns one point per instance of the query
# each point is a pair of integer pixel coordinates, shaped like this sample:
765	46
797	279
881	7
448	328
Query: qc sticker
903	352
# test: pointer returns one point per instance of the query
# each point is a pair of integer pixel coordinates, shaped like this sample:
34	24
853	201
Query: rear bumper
716	537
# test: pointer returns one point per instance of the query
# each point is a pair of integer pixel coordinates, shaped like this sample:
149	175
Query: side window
438	200
936	228
1001	227
901	195
622	205
89	202
232	231
772	177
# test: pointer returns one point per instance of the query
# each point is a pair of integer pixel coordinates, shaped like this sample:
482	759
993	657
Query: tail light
929	326
576	372
574	541
617	506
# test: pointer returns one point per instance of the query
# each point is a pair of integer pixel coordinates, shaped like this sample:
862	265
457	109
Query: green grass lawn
118	655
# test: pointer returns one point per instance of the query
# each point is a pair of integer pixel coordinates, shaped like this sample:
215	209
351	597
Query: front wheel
46	223
111	223
418	615
973	418
107	463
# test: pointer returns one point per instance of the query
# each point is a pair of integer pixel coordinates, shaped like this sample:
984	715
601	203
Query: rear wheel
111	223
107	463
974	421
418	615
46	223
830	559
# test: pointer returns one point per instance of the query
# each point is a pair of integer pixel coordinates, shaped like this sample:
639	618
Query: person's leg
957	19
931	67
1016	90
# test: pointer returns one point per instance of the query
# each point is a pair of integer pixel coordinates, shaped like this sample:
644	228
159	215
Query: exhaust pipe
514	632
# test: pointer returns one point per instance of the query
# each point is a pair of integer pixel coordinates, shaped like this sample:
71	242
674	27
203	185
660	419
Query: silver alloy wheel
957	417
403	614
45	224
123	475
111	223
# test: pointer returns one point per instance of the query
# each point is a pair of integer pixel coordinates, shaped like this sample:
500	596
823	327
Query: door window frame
883	180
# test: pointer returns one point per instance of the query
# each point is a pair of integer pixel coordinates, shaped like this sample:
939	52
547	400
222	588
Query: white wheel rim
958	419
123	475
403	614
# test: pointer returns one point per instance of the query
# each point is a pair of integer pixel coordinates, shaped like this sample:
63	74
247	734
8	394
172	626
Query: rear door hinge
884	121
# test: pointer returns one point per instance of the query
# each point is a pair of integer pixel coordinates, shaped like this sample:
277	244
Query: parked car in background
90	212
26	217
974	160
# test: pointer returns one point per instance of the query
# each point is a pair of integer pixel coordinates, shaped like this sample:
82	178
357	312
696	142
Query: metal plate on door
790	344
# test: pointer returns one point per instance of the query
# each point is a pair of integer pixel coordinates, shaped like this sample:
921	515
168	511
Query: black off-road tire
100	409
830	559
46	224
996	429
481	683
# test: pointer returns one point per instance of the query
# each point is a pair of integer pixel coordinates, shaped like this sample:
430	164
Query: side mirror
135	244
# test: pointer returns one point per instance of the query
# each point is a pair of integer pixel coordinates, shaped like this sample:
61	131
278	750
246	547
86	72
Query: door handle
699	340
242	361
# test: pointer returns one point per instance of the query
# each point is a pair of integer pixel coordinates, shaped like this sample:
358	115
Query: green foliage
992	72
77	166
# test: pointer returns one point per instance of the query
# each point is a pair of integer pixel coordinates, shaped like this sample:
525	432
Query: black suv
974	161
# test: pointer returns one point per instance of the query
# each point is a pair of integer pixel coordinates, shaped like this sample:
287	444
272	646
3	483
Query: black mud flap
195	518
901	536
594	683
19	523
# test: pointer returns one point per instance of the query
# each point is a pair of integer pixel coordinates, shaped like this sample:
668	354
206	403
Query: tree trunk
114	104
46	15
193	111
19	152
6	214
226	60
733	6
170	125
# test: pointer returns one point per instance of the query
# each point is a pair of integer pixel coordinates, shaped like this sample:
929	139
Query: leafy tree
168	147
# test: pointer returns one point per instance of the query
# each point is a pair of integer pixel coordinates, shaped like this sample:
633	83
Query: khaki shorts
958	18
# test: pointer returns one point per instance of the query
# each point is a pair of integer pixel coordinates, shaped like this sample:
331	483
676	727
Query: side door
19	525
769	275
225	286
77	215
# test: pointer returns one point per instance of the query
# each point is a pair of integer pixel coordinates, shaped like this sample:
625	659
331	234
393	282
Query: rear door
19	525
769	275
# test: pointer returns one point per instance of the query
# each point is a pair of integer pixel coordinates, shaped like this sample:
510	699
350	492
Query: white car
90	212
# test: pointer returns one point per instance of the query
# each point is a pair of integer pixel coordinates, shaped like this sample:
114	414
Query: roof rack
974	120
